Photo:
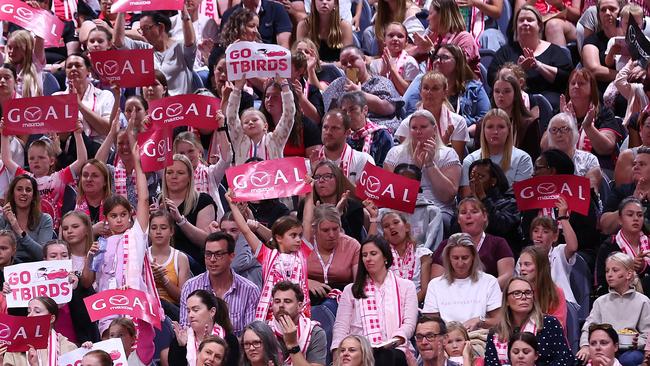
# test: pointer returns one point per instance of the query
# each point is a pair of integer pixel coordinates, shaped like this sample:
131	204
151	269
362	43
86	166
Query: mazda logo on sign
546	188
5	331
260	179
372	184
24	13
110	67
33	114
118	300
174	110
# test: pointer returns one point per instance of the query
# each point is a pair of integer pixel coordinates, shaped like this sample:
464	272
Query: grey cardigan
30	248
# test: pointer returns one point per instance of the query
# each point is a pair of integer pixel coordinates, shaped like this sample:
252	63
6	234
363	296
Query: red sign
131	302
127	68
198	111
125	6
268	179
543	191
26	116
20	332
156	149
43	23
387	189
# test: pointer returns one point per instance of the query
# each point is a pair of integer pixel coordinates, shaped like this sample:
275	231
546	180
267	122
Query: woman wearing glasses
520	312
563	135
623	307
208	316
169	265
259	346
463	293
379	305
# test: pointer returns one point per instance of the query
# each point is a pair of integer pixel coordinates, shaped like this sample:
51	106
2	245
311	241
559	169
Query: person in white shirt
464	293
335	131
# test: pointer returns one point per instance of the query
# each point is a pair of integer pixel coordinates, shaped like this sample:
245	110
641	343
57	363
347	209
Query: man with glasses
366	136
302	341
241	294
335	131
430	340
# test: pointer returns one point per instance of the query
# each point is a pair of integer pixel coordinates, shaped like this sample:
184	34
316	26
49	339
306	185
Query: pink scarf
366	133
404	266
502	347
626	247
274	272
120	179
84	207
345	159
193	343
370	322
52	349
305	328
201	178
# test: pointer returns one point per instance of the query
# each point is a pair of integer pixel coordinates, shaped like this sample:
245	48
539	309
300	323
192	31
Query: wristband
255	224
374	220
222	129
182	221
560	218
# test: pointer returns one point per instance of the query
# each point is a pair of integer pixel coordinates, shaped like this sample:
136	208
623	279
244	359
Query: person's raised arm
105	148
569	234
188	29
250	236
5	150
308	216
142	189
39	51
118	31
82	154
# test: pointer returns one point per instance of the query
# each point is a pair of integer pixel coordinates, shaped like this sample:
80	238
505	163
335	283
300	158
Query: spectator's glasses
143	29
253	344
216	255
441	58
559	130
323	177
599	326
430	337
540	167
518	294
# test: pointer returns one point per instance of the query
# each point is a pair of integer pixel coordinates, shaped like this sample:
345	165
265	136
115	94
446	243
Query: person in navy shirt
275	25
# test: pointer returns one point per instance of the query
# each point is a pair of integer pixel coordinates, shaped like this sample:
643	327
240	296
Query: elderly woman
379	305
463	293
384	102
439	164
333	262
563	134
547	66
520	312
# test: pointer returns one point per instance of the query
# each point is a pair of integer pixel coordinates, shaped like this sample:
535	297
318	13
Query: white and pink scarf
366	133
52	349
626	247
305	328
275	271
201	178
345	161
84	207
502	347
121	177
404	266
369	307
193	343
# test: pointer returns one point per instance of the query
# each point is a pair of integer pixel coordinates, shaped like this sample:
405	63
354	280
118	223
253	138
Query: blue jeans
631	357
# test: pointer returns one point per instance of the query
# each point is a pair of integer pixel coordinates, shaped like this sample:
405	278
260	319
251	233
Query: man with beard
303	341
430	339
335	131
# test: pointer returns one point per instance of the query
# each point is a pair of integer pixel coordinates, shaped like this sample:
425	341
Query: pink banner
543	191
387	189
126	68
20	332
268	179
134	303
26	116
156	149
198	111
125	6
43	23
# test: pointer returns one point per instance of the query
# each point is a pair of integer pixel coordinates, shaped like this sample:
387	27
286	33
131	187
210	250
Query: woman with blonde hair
463	293
192	211
316	74
497	144
324	27
355	350
440	164
520	311
93	188
27	54
77	231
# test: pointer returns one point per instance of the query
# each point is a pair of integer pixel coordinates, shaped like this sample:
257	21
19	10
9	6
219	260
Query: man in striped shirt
241	294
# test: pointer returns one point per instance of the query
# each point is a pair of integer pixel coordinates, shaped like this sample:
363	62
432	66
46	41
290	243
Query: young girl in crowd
99	39
27	54
324	27
287	261
57	344
410	261
250	136
544	233
623	307
170	266
395	63
458	347
133	340
41	157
